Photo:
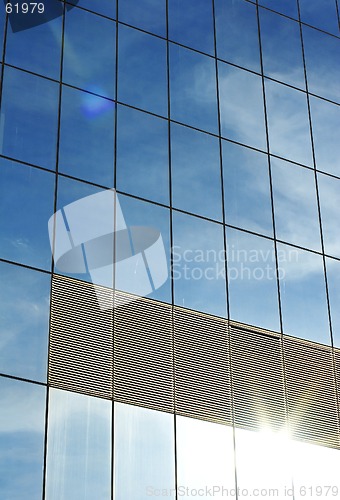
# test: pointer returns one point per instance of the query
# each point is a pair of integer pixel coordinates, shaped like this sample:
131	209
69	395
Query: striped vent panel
311	392
337	373
258	383
143	354
81	338
202	367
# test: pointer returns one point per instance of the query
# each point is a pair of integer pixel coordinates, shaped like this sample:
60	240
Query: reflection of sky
105	7
330	213
333	282
149	15
287	7
322	15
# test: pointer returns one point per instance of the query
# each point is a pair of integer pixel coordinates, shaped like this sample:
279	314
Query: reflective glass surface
27	100
198	264
191	24
193	89
281	49
26	203
78	447
288	123
2	28
87	137
241	105
142	78
89	52
144	459
237	34
247	200
295	204
22	426
149	15
24	313
333	281
303	294
287	7
196	172
321	15
330	213
142	155
205	458
105	7
252	280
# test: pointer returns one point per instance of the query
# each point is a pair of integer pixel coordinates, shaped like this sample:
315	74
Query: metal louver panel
143	353
312	405
81	338
337	373
202	366
258	383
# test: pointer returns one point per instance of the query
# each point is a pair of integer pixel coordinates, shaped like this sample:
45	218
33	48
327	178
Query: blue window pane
104	7
24	312
287	7
142	79
191	24
247	199
303	294
89	52
199	264
37	49
237	33
322	15
288	123
149	15
26	203
193	89
196	172
333	281
78	447
2	28
329	192
241	103
27	100
87	137
252	281
282	49
22	425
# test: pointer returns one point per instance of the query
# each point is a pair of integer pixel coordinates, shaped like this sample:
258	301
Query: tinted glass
29	99
330	213
322	15
26	203
237	34
252	280
247	200
241	103
288	123
196	172
295	204
142	79
303	294
287	7
78	447
142	155
105	7
149	15
193	89
24	312
22	426
191	24
2	27
199	269
87	137
333	280
89	52
144	457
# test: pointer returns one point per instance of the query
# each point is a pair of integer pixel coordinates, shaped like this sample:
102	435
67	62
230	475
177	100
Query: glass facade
215	123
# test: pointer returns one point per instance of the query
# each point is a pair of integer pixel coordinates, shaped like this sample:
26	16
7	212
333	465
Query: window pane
78	447
237	34
252	280
149	15
191	24
142	155
303	294
287	7
193	89
22	426
144	455
29	99
26	203
142	79
24	312
241	102
205	458
295	205
196	172
321	15
87	137
105	7
247	199
330	213
2	27
288	123
199	269
89	52
333	281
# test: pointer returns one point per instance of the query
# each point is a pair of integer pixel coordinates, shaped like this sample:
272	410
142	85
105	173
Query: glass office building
214	125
